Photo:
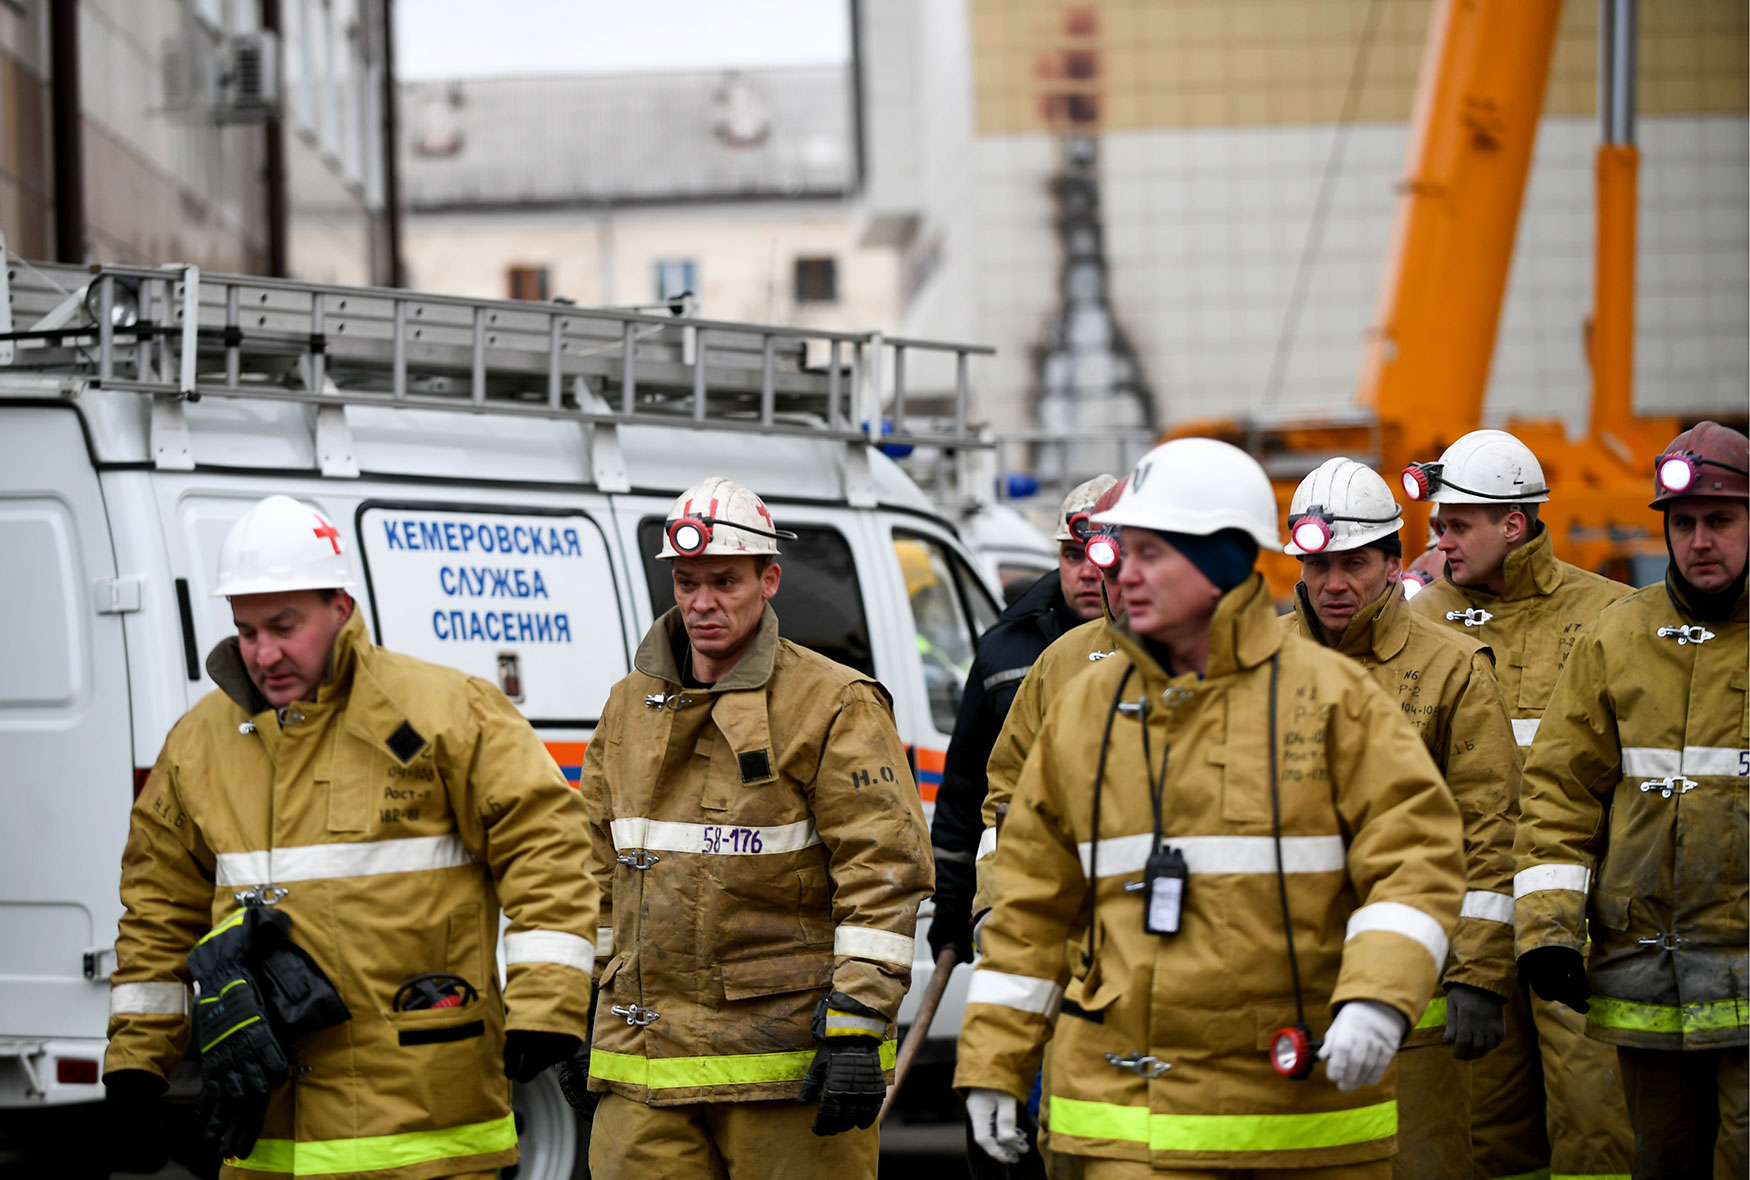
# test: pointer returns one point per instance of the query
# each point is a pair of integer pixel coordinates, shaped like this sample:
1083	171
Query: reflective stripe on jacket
1531	627
1372	850
762	842
1634	824
1444	684
398	810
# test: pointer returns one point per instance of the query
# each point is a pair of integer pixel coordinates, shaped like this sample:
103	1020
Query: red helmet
1706	460
1104	549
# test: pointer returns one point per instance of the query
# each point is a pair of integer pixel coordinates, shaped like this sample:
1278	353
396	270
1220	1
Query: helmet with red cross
280	545
718	517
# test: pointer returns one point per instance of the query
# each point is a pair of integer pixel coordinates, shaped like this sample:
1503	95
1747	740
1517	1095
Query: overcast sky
472	39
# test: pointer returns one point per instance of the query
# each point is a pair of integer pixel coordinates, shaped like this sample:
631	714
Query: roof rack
177	334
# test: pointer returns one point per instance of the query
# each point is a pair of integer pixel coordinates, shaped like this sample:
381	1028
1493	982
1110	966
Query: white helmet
1483	467
1341	505
278	545
718	517
1198	486
1079	503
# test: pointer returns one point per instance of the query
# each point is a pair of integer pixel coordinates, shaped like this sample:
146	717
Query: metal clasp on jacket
260	895
663	700
1665	942
1686	633
639	860
635	1016
1174	697
1674	785
290	715
1095	657
1474	616
1143	1067
1136	708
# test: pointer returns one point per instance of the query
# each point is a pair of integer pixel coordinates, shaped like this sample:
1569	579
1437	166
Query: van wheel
554	1141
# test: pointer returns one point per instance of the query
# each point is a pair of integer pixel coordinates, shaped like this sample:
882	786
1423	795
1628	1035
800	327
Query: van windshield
819	603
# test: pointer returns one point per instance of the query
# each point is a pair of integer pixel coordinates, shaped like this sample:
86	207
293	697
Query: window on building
819	603
676	276
528	282
817	280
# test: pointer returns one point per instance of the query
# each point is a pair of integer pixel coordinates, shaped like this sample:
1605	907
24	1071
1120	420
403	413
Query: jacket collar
1685	598
655	655
225	666
1244	633
1381	628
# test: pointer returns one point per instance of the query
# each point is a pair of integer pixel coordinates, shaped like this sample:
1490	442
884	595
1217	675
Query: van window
819	603
946	607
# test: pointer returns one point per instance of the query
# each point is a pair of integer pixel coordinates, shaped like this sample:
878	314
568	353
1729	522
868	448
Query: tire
554	1141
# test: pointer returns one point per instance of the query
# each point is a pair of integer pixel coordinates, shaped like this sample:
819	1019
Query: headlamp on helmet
1104	551
1676	471
1420	480
1080	525
1311	529
689	535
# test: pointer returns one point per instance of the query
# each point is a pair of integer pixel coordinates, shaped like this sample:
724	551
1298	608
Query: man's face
1166	597
1475	547
287	640
1708	539
1340	584
722	599
1080	579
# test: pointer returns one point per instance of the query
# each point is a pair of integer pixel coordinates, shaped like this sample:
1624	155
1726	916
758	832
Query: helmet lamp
1676	470
1293	1051
690	534
1104	552
1311	532
1420	480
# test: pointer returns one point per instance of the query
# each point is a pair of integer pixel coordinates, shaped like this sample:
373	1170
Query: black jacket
1005	653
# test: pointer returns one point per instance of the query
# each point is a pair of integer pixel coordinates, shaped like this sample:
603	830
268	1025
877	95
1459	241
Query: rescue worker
1227	831
1056	603
1548	1097
762	845
1343	525
375	810
1633	826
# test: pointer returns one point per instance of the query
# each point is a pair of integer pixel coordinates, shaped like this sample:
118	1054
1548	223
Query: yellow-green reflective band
1535	1174
1588	1176
244	1024
740	1069
225	925
325	1157
1221	1132
1676	1019
1434	1016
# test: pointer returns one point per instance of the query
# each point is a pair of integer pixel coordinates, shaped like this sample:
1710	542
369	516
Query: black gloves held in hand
1558	974
527	1052
1474	1021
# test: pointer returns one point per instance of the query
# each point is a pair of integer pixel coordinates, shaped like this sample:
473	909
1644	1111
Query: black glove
1474	1021
573	1075
951	926
1558	974
138	1140
846	1074
242	1062
300	997
528	1052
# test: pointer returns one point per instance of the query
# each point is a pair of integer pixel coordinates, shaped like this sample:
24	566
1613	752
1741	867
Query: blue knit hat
1225	558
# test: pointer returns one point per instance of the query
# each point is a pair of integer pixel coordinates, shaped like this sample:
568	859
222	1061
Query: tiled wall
26	184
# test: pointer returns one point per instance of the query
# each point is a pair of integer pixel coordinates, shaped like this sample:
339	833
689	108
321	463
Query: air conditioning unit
249	79
187	72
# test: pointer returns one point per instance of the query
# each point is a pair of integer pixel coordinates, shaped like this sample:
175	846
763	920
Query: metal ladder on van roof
176	334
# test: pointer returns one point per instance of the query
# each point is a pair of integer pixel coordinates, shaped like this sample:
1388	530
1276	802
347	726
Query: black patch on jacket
756	766
439	1036
405	742
1071	1008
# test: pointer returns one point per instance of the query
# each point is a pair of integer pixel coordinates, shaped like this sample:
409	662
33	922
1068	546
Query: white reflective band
1394	917
865	942
1726	760
987	843
656	835
1538	878
604	942
1651	762
1222	854
549	946
1021	992
148	999
324	862
998	679
1491	907
876	1028
1524	730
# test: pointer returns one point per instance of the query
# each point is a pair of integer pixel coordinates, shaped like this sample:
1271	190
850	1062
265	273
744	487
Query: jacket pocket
1610	910
467	944
746	980
351	772
440	1026
1540	662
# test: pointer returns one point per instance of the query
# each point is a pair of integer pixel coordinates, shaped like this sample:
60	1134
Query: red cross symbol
328	533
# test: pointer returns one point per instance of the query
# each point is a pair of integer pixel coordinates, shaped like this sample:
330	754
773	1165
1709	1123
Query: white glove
992	1113
1361	1043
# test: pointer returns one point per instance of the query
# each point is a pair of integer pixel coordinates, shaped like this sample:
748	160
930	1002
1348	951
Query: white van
499	476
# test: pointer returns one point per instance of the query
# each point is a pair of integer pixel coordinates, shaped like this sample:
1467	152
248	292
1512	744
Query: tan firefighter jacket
1069	655
1161	1050
1444	685
398	811
1633	824
1531	628
761	842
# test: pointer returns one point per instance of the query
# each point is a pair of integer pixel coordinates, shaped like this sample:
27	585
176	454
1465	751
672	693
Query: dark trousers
1688	1111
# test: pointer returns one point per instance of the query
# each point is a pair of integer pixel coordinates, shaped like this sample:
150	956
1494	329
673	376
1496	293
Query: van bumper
31	1072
